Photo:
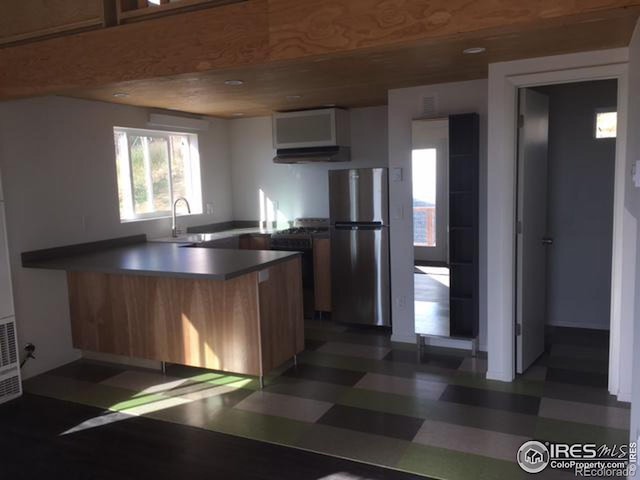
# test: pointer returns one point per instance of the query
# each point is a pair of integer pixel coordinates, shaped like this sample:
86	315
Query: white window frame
194	195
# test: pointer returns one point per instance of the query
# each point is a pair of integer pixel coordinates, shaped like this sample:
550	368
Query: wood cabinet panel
190	322
238	325
255	242
281	313
322	274
28	19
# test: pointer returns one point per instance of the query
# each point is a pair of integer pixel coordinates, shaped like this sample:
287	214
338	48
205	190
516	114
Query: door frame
441	144
504	81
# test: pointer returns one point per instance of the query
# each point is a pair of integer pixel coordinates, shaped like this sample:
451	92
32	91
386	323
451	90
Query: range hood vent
311	136
313	154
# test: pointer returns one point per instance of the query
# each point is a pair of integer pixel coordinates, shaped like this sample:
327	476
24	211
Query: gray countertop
166	260
192	238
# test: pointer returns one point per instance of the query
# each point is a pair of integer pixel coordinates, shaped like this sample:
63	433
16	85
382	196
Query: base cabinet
249	324
254	242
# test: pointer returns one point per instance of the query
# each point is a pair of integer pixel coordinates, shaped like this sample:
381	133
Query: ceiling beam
262	32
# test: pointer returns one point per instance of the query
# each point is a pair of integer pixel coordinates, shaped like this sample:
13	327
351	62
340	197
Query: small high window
154	168
606	123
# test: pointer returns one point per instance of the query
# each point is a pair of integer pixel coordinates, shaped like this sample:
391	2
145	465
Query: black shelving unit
464	158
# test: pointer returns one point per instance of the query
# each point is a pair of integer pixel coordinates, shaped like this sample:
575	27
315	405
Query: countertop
192	238
160	259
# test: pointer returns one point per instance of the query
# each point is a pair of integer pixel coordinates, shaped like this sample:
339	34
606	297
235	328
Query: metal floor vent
8	348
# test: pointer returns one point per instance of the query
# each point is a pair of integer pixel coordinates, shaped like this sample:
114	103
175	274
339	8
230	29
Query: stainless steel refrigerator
359	216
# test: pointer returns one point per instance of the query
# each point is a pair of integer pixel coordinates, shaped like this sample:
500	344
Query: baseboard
624	397
400	338
448	343
500	376
129	361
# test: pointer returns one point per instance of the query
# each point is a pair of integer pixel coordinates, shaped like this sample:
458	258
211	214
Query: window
423	165
606	123
154	168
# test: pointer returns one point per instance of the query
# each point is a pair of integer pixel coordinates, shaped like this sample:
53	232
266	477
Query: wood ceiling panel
311	27
363	77
257	33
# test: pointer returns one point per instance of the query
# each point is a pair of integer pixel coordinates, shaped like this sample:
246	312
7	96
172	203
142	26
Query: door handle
547	241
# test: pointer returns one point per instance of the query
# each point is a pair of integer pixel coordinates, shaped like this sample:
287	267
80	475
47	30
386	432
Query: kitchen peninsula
236	311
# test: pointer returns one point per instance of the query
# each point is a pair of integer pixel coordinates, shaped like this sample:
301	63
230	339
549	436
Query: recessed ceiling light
121	94
293	97
238	114
329	105
234	83
474	50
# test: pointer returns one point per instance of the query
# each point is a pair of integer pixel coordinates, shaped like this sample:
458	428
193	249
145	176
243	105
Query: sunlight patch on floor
141	404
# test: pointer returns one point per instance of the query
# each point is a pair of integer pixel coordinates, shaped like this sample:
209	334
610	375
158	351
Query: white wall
632	203
58	166
405	105
300	190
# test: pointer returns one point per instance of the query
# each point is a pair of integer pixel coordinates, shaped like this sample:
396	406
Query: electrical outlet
209	208
401	302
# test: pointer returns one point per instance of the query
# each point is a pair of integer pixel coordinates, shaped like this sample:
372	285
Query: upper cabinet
32	19
134	10
29	20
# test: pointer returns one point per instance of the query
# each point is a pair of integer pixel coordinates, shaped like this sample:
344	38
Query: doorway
565	210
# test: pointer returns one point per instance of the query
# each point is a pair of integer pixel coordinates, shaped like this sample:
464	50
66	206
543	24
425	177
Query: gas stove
300	236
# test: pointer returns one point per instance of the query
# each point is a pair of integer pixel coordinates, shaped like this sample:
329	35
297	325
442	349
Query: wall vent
8	348
10	382
430	106
9	388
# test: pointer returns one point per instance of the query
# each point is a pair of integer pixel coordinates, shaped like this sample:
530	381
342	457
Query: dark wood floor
32	447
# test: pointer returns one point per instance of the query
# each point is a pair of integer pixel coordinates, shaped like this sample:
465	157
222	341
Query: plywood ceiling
362	78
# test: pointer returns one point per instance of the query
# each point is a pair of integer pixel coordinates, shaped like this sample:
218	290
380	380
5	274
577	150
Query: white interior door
531	259
429	171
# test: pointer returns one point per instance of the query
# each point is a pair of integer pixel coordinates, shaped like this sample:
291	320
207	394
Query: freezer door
6	298
360	275
359	195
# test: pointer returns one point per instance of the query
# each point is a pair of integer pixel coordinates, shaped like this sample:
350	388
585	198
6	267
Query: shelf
464	264
460	192
460	227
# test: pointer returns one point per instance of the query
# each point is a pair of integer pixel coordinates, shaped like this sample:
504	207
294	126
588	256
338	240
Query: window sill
162	217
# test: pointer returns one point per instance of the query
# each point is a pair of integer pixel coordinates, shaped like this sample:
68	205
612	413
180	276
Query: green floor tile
256	426
353	445
450	465
572	432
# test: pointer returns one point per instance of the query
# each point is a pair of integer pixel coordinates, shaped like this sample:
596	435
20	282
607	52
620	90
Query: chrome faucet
174	228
